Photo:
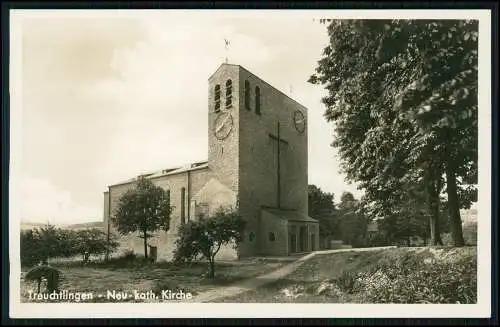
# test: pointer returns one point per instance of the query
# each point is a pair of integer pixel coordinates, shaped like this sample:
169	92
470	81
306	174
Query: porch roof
290	215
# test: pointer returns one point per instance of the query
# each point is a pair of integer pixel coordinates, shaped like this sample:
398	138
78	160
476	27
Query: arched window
257	100
247	95
229	93
251	236
272	237
217	98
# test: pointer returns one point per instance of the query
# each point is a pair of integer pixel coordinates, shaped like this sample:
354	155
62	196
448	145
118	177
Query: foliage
128	259
31	250
144	209
51	274
205	236
93	242
352	222
412	280
403	97
412	277
322	208
39	245
378	239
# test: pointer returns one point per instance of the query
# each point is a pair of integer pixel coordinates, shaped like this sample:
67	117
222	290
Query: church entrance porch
287	232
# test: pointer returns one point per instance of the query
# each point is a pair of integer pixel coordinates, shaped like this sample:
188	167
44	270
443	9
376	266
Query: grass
99	277
417	275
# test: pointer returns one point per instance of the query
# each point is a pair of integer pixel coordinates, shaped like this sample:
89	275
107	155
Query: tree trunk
145	244
433	193
211	272
454	207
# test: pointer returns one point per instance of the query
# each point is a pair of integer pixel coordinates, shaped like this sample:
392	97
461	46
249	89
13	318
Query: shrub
50	274
31	253
414	279
206	236
41	244
128	259
346	281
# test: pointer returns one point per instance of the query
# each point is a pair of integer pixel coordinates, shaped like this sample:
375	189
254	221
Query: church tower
258	149
223	125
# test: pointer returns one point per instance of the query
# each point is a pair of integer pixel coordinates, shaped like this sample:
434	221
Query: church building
257	159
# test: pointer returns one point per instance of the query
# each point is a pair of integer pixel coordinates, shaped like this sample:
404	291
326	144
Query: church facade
257	160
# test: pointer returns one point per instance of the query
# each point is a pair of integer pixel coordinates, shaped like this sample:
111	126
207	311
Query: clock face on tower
223	125
299	121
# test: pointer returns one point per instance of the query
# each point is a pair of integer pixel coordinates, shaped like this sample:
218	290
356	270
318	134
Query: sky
103	97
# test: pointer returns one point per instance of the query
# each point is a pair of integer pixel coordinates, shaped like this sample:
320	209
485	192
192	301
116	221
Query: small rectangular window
217	98
247	95
257	100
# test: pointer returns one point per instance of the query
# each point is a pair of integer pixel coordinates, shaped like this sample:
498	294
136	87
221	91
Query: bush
128	259
413	279
31	250
50	274
39	245
346	282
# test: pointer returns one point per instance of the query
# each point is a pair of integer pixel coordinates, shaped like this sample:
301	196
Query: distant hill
27	225
92	224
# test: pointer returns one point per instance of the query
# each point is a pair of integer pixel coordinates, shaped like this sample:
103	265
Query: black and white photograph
250	163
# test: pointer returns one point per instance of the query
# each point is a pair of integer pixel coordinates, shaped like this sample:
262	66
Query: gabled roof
290	215
168	171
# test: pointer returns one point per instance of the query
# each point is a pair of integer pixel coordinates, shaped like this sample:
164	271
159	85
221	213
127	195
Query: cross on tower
278	173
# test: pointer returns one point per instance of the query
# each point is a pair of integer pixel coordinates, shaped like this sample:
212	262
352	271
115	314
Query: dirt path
256	282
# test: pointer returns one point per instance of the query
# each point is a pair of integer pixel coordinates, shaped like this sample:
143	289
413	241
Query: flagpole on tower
227	43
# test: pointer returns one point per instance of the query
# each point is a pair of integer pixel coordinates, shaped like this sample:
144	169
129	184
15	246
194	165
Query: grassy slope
303	285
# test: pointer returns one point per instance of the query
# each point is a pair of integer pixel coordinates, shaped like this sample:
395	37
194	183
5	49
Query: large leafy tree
144	208
322	207
403	97
352	222
207	235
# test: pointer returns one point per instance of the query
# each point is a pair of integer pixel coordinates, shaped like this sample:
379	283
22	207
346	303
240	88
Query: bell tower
223	125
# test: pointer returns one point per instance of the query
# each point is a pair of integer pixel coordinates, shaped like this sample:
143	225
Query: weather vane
227	43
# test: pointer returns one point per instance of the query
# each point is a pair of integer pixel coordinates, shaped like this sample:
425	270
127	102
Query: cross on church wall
278	140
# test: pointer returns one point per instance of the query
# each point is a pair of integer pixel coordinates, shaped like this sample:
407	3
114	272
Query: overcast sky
102	98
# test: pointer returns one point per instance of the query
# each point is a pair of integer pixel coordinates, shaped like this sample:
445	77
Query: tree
322	208
403	97
352	223
30	247
144	209
51	274
207	235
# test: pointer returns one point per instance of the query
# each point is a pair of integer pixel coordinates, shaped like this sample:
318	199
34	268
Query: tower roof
261	80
